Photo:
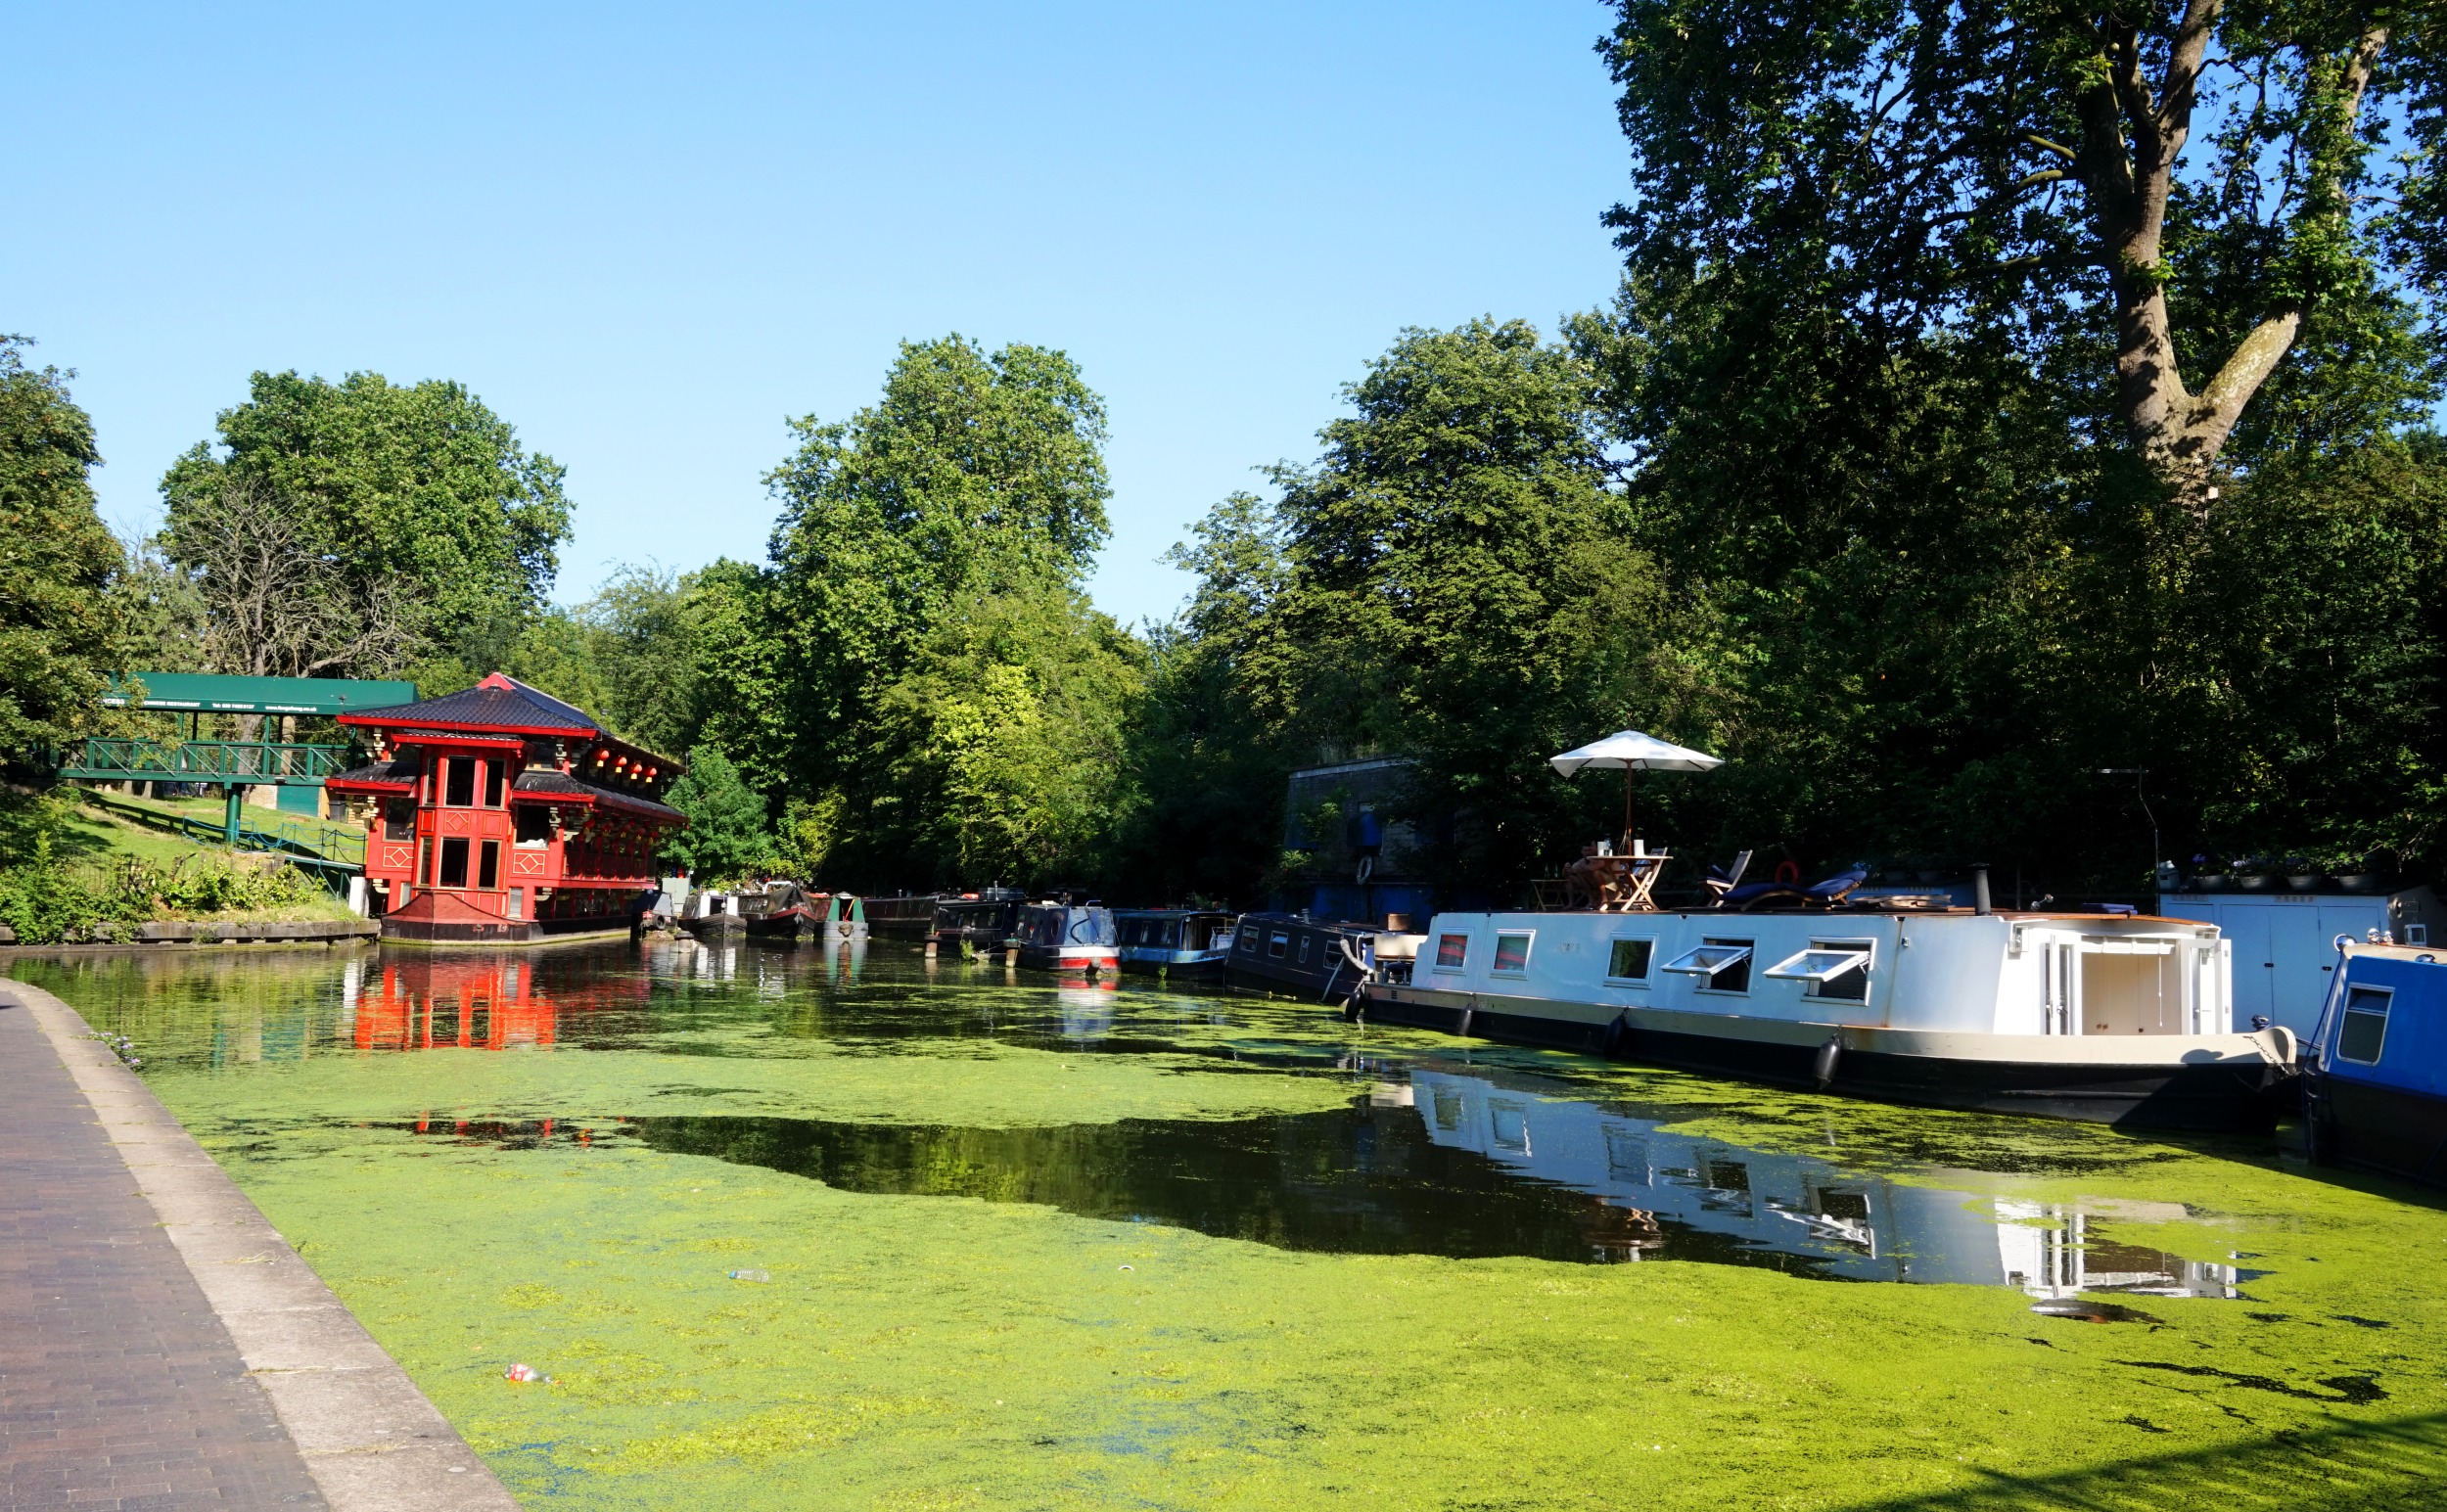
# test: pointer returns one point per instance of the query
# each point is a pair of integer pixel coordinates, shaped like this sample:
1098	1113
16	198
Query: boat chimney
1979	887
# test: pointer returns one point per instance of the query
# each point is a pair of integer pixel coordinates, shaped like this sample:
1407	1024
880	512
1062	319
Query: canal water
789	1229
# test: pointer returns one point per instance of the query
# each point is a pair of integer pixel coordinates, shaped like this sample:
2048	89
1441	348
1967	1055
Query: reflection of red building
501	813
485	1000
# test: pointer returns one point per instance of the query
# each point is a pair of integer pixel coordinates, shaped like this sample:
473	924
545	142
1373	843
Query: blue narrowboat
2377	1096
1179	941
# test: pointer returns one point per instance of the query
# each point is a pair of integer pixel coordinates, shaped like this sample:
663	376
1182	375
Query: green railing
109	759
316	843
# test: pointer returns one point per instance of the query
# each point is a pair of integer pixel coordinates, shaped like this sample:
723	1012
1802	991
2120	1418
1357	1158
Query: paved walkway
118	1388
159	1344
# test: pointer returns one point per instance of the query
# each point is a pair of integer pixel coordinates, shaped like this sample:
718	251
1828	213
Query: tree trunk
2133	138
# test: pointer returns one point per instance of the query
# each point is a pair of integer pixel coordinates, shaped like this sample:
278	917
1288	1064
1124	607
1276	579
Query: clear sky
645	237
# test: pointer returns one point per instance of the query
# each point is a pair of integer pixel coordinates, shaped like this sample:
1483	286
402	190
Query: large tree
415	503
57	558
2177	197
975	472
1453	579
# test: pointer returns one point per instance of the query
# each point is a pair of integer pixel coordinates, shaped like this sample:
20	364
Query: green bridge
235	765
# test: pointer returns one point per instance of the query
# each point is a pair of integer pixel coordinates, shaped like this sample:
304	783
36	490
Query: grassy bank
74	870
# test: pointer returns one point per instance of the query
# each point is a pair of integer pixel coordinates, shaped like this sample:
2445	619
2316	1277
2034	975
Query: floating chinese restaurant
501	814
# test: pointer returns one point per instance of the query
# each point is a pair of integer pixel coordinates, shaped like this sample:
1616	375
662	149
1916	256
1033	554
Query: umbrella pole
1626	810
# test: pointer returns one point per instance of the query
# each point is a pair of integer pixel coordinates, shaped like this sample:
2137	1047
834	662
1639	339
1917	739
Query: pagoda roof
541	784
499	706
498	703
383	776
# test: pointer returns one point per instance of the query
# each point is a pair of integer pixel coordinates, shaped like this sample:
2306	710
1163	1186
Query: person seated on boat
1756	896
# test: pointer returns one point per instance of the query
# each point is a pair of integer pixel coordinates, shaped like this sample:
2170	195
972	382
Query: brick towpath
160	1345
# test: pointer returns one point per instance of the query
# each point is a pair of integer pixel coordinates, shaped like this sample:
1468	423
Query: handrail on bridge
120	758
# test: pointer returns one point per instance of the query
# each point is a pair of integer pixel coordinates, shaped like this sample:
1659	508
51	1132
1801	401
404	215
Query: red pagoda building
502	814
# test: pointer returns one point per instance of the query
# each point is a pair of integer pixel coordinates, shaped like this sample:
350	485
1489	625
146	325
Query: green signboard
200	693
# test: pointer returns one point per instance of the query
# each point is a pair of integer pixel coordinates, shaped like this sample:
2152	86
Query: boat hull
2168	1084
1072	960
1200	964
2383	1128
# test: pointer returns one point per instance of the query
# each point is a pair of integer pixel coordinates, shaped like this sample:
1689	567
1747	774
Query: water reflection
1435	1154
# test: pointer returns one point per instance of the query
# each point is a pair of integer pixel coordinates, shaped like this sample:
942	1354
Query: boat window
1276	942
1629	960
458	782
495	771
1249	943
1513	953
1829	968
1724	963
1450	951
2366	1025
489	865
399	819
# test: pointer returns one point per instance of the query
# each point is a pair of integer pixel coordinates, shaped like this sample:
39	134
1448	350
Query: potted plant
2207	876
2252	875
2301	876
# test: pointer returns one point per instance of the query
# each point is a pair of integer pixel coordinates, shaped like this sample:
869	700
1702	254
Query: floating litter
751	1275
1126	1267
527	1372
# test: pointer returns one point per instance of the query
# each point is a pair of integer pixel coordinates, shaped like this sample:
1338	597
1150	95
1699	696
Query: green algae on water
943	1351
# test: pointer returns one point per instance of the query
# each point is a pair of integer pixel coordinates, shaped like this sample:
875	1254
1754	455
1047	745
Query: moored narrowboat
2377	1093
1071	937
1178	941
786	911
987	920
1290	953
2109	1019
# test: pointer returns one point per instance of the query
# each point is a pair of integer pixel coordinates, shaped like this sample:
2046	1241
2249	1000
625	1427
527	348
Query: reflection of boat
984	920
2378	1092
1285	952
1068	938
1848	1223
1178	941
2109	1019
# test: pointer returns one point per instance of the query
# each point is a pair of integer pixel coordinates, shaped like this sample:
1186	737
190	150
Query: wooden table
1615	884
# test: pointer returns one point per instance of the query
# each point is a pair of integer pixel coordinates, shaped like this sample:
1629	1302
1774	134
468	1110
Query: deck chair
1786	894
1725	879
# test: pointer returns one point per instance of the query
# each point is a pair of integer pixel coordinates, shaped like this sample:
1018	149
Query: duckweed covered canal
1029	1246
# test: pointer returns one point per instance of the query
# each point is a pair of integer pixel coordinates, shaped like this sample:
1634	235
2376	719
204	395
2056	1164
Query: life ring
1367	868
1786	871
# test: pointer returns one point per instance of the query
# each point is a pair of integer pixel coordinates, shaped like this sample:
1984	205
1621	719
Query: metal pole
229	817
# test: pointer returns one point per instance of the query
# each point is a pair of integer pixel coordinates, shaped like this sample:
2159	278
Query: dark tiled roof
516	707
394	773
545	783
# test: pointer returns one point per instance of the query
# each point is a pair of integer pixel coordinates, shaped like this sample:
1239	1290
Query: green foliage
1002	744
975	474
45	899
2150	205
419	487
1454	578
726	836
58	620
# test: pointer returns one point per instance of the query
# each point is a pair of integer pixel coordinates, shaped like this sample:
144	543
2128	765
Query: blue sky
647	237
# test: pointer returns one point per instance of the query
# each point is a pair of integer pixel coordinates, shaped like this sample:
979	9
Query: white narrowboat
2109	1019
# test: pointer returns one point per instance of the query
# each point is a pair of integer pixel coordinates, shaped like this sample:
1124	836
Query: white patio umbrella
1633	752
